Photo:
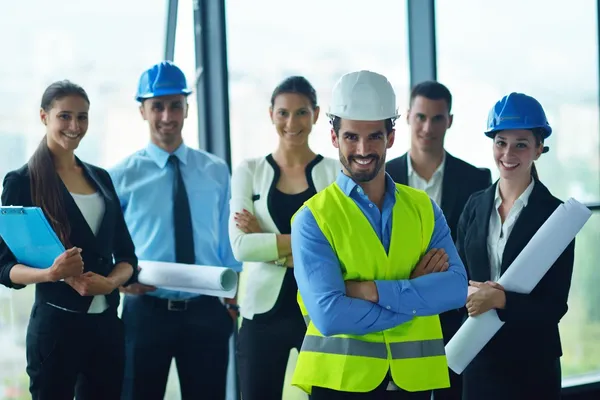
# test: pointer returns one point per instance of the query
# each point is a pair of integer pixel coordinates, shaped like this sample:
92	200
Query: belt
172	305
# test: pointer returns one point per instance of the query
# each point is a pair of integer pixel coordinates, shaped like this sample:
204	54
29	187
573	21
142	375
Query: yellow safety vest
413	351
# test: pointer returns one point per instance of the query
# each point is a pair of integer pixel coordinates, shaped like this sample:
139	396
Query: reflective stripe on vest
355	347
412	352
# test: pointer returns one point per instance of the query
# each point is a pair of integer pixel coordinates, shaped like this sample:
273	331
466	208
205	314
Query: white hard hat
363	96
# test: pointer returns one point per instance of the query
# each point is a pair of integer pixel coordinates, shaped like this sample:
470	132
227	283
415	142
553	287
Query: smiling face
66	122
428	119
362	146
293	117
515	151
165	116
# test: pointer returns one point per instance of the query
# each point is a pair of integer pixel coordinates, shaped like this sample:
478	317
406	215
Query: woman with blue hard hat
522	361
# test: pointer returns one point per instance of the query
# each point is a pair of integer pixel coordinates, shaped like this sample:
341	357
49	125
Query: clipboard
29	236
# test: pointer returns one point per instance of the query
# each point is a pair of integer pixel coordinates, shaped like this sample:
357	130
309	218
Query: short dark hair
298	85
432	90
337	121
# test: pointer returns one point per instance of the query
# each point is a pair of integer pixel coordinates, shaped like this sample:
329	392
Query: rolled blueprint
521	276
201	279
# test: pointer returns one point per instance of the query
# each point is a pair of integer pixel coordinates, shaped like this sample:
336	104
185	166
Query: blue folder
29	236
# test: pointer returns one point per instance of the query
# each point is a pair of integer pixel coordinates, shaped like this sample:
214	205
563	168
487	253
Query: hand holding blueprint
201	279
522	276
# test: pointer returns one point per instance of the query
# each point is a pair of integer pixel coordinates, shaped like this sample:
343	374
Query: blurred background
236	51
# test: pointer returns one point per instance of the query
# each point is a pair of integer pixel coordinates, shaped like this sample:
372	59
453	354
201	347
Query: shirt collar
439	171
523	198
161	157
348	185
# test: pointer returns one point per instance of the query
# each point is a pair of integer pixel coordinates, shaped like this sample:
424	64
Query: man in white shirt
448	180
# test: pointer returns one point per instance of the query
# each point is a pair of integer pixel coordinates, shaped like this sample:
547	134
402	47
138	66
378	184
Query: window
486	50
320	40
107	63
185	58
580	328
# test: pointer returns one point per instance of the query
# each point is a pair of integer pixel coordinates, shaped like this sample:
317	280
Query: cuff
388	293
134	265
504	313
5	277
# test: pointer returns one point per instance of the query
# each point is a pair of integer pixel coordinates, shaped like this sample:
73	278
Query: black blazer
461	179
100	253
531	328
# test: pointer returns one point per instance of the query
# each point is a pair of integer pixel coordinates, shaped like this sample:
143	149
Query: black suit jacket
530	331
461	180
100	252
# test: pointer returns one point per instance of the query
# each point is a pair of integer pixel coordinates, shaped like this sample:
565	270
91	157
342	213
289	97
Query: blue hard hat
517	111
162	79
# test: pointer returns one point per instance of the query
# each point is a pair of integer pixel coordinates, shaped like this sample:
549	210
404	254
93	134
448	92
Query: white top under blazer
251	183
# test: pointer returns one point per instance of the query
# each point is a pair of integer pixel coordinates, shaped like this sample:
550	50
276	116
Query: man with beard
176	204
449	181
371	280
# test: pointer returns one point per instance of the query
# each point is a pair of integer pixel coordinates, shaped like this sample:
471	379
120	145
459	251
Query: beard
362	175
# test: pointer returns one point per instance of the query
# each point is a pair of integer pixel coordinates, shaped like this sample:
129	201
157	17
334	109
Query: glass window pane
545	48
320	40
71	41
580	328
185	58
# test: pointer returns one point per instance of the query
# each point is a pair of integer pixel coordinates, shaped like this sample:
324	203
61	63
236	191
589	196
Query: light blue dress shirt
144	183
320	282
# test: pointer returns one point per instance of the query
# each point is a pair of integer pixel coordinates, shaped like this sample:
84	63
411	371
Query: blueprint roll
522	276
200	279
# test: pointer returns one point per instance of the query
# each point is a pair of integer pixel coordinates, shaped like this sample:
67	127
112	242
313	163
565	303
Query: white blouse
498	232
92	208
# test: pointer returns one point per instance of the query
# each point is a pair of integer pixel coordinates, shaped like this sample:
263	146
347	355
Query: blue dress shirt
144	183
320	282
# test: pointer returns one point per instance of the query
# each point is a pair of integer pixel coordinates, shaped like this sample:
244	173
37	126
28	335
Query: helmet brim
331	115
163	92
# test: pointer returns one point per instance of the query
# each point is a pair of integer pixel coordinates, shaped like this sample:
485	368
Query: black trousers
74	354
526	379
263	351
196	333
380	393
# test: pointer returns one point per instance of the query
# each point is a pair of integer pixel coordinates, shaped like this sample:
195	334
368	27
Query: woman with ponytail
75	342
522	361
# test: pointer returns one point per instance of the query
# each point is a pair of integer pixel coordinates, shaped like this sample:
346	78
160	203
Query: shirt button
414	311
388	307
359	190
371	205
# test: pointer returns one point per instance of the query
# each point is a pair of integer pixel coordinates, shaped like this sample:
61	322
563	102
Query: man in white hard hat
375	264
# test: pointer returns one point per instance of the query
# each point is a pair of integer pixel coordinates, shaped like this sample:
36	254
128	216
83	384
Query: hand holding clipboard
33	242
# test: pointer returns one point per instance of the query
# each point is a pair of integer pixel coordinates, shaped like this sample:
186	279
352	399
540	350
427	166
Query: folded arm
321	285
548	301
433	293
258	247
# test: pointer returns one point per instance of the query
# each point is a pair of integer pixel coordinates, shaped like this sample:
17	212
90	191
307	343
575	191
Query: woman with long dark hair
75	342
522	361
